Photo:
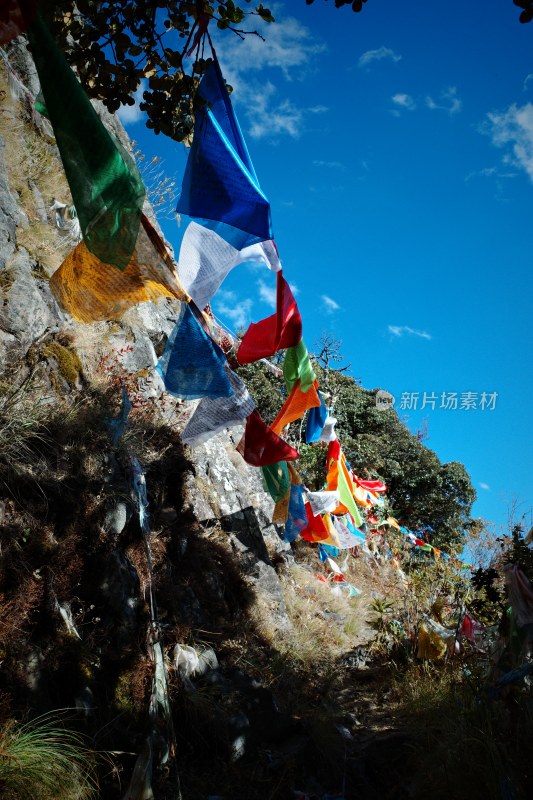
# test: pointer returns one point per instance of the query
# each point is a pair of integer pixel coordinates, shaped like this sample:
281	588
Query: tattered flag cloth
260	446
295	407
280	515
92	291
276	480
321	502
206	259
297	367
316	420
277	332
297	518
347	520
193	365
212	415
13	20
346	538
520	594
220	183
105	184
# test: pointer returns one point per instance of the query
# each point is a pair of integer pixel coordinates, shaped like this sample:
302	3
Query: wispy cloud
527	81
288	54
329	305
267	293
513	130
448	101
484	486
129	115
289	47
379	54
401	330
230	307
328	164
404	101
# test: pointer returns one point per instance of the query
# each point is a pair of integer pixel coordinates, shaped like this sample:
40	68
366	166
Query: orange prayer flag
92	291
295	406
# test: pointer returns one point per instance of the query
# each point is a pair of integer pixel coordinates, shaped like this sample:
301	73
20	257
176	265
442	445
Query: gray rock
116	518
25	314
8	213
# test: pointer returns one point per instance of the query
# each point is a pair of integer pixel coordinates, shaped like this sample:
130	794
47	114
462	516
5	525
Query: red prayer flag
334	451
371	486
260	446
283	329
316	530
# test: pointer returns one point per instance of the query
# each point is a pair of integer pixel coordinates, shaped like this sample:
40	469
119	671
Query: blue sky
396	148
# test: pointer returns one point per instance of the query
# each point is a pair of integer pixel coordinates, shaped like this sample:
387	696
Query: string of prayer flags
260	446
106	187
276	480
295	407
193	365
213	415
277	332
297	367
206	259
316	420
220	184
92	291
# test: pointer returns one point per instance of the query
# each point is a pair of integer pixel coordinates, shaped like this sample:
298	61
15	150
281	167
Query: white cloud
288	52
229	306
484	486
527	79
404	101
329	305
267	293
400	330
266	117
513	130
289	46
294	289
377	55
449	101
129	115
328	164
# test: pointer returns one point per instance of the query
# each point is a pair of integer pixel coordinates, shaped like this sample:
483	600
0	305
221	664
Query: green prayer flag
297	366
276	480
106	187
347	498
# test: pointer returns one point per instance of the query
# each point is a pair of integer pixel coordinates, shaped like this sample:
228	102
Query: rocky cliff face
190	645
74	571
